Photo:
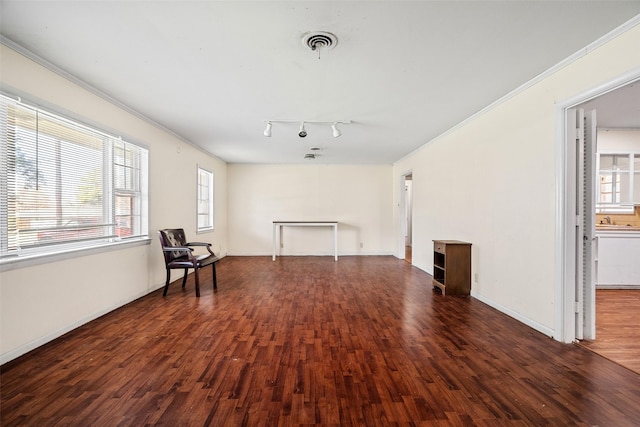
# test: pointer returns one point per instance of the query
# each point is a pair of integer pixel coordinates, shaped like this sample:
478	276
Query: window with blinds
619	186
205	200
66	185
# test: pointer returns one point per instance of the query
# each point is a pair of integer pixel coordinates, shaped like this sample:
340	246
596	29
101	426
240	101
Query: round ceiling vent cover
319	40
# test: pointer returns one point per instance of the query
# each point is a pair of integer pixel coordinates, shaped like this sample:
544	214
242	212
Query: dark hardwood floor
309	341
618	327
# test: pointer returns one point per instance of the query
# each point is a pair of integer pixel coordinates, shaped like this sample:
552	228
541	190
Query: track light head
302	132
267	131
336	131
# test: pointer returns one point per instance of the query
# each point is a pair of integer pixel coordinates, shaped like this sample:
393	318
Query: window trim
621	208
211	213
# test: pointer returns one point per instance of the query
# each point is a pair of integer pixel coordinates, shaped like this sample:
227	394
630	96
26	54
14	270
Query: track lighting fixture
336	131
302	131
267	131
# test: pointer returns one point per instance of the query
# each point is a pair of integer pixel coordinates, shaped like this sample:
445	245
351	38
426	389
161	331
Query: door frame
403	214
565	259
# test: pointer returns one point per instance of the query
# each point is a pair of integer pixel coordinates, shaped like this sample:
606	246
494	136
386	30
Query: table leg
335	241
274	242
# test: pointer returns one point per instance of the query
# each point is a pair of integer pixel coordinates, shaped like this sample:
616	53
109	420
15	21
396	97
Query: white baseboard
23	349
317	254
527	321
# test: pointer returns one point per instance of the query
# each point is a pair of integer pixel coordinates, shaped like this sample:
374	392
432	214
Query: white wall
41	302
359	197
492	181
619	140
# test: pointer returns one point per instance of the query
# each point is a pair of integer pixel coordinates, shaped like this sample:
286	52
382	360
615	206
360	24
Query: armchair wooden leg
215	280
166	285
184	278
195	273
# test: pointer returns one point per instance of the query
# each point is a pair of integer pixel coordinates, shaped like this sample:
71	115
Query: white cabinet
617	264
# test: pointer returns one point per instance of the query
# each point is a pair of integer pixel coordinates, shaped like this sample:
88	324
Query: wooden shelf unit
452	267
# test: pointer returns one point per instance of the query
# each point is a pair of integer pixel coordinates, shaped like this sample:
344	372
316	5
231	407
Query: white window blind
65	184
205	200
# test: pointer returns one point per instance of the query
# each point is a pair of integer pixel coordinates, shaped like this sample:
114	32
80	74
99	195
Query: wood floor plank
310	341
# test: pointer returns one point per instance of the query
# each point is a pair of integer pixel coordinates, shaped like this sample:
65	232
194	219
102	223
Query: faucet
608	219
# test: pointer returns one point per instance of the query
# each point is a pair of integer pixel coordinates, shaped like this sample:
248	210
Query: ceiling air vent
319	40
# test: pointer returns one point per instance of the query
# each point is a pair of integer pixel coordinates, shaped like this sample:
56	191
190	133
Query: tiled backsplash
621	219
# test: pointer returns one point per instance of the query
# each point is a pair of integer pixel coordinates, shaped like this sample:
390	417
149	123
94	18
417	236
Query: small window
205	200
636	179
616	182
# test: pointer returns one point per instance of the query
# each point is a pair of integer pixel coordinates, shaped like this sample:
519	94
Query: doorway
407	216
616	106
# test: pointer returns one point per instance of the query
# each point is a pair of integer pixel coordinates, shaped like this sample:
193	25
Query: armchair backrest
172	237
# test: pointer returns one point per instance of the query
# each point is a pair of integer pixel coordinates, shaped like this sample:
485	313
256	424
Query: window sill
23	261
615	210
205	230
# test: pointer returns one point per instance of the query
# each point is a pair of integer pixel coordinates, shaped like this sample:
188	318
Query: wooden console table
277	233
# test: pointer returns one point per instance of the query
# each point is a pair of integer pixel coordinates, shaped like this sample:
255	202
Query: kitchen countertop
617	228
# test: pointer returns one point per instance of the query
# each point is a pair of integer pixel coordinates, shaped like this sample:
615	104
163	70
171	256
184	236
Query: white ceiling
403	71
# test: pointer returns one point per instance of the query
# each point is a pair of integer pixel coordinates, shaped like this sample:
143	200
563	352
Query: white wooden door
583	127
589	248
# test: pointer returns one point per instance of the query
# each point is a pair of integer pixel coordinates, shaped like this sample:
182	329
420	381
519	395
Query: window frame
209	202
33	254
616	207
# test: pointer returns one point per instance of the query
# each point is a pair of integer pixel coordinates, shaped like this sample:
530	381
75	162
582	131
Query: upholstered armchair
178	253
